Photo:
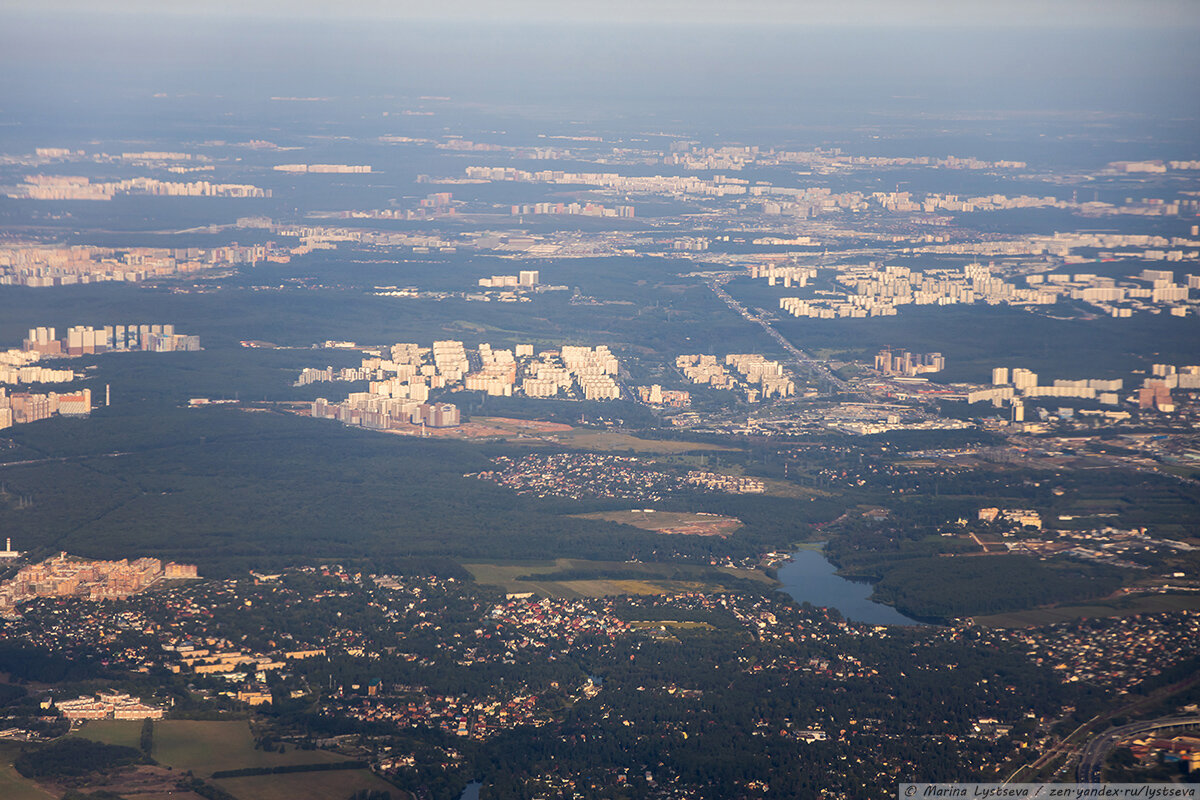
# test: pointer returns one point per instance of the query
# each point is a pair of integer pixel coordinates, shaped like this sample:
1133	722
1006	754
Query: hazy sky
1037	13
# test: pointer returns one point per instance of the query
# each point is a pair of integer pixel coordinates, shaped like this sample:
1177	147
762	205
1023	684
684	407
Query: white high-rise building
1024	379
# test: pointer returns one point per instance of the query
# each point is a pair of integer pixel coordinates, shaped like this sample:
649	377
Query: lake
809	576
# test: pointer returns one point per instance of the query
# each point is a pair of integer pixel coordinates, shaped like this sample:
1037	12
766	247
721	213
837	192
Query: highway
1092	755
1091	760
800	359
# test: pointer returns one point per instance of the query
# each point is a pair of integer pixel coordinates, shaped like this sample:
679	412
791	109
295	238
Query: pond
809	576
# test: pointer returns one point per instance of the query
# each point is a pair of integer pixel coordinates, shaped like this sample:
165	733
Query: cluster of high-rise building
767	375
526	279
658	396
788	274
432	206
86	340
908	364
158	155
1013	386
364	410
572	209
328	169
736	157
400	385
20	366
705	369
806	202
496	374
1062	245
1155	391
41	266
760	379
74	187
310	375
154	157
1152	288
573	370
677	185
1151	167
534	245
20	408
872	291
64	576
593	369
694	244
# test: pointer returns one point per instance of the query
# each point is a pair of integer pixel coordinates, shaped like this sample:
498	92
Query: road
800	359
1066	746
1091	760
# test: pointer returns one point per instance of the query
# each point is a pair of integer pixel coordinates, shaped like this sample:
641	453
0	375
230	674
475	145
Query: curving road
1091	760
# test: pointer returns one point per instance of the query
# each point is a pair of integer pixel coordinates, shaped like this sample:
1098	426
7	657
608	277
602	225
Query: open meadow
123	732
618	442
12	785
333	785
1123	607
671	522
570	578
205	747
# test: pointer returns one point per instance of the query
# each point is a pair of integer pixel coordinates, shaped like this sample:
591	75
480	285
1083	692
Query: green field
1116	608
671	521
614	441
334	785
124	732
607	578
12	785
205	747
778	488
645	624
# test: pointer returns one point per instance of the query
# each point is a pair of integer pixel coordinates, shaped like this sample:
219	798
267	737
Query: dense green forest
957	587
73	757
232	490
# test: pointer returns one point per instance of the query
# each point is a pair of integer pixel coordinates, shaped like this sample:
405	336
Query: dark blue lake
808	576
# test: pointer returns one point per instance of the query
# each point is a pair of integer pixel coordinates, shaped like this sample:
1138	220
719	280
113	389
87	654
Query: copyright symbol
910	791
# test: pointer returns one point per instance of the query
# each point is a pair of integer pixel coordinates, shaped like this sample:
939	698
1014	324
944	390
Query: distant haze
1058	13
93	70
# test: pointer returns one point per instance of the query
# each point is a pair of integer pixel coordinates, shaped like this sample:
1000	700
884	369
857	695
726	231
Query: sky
94	58
885	13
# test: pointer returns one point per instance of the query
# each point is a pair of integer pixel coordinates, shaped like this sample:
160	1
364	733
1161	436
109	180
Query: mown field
569	578
334	785
206	747
12	785
671	522
123	732
617	442
1123	607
